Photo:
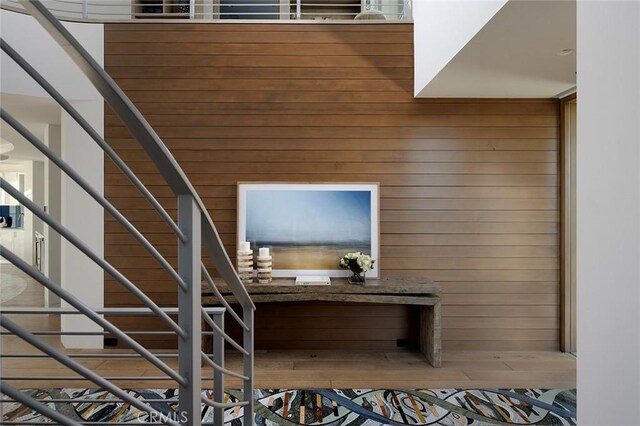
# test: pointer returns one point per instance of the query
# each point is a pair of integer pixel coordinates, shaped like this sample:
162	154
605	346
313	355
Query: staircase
194	229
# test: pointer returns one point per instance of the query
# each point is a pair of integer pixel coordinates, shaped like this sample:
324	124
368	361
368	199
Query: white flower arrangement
357	262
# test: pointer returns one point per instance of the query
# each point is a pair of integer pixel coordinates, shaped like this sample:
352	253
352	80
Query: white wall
53	201
37	196
29	218
99	10
81	215
33	43
38	186
441	28
21	241
608	211
13	238
85	218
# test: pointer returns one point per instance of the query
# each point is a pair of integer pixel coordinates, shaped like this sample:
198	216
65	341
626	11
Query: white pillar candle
244	246
264	252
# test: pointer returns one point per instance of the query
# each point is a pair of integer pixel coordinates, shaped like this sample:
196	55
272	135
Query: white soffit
515	55
443	27
35	114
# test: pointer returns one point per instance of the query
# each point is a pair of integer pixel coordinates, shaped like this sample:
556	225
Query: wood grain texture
338	286
412	292
333	365
431	333
469	187
347	298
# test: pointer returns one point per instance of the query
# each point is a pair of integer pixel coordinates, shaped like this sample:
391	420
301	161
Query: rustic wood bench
418	292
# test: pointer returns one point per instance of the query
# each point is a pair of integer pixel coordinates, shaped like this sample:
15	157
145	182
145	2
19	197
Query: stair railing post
85	9
218	376
407	11
189	315
248	365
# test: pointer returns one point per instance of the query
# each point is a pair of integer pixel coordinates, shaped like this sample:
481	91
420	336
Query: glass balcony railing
333	10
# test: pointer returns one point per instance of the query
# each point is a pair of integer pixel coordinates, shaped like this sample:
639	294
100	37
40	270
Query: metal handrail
221	369
275	10
224	335
101	311
76	400
146	137
93	356
38	406
75	176
194	227
88	312
57	96
220	298
75	366
84	248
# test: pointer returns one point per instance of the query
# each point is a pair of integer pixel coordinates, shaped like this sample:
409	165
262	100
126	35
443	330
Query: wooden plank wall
469	187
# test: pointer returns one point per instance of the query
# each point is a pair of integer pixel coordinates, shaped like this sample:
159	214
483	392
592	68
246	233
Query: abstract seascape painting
309	227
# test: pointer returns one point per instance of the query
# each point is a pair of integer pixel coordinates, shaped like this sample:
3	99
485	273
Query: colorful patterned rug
333	407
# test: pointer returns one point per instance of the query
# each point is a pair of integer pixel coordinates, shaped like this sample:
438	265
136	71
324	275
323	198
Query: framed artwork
310	226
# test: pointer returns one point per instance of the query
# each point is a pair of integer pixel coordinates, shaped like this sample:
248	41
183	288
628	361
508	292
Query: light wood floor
297	369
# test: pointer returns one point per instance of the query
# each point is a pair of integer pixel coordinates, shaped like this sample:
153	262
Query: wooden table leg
431	333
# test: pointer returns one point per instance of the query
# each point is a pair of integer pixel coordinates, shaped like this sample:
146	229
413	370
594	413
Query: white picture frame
310	224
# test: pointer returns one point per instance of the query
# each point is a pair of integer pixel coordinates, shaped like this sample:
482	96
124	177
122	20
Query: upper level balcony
236	10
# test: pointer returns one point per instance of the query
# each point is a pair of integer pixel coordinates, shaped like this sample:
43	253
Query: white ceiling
34	113
515	55
31	108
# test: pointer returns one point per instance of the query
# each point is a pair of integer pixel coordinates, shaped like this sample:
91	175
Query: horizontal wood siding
469	187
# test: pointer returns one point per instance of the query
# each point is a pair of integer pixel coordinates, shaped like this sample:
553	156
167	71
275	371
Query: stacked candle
265	266
245	262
